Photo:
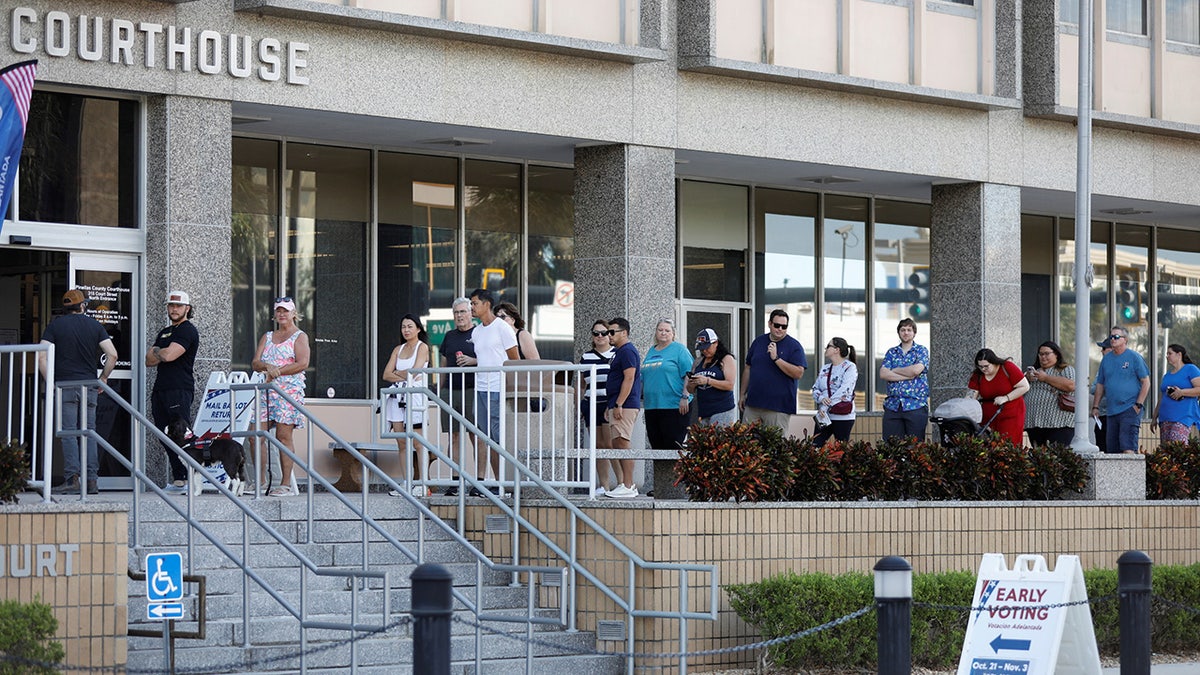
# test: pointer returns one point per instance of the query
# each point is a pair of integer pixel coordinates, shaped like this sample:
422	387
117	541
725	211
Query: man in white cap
174	355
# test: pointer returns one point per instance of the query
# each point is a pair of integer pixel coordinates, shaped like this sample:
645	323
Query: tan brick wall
750	542
91	603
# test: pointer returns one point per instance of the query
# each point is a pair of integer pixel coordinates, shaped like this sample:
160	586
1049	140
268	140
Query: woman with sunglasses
1000	386
283	356
600	354
526	348
833	393
1178	410
407	410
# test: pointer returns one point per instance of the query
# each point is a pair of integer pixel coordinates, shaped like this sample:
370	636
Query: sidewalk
1163	669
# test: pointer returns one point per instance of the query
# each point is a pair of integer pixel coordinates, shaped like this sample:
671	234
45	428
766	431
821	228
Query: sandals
283	491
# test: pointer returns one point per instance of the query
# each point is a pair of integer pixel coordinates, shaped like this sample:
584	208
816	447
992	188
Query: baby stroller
960	416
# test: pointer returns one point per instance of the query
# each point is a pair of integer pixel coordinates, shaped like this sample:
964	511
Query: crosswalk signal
1129	297
919	280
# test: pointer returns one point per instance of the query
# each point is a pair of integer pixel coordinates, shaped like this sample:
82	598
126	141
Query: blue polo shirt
770	388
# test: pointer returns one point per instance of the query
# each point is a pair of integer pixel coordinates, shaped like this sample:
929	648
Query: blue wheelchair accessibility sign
164	577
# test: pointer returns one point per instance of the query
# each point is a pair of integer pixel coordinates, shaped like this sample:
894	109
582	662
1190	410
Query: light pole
1083	234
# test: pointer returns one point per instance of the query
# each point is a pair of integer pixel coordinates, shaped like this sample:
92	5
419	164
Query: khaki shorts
622	428
769	418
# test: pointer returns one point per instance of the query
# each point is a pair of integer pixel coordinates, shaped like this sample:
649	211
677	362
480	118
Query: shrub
1059	472
14	471
989	467
814	470
731	462
789	603
1173	472
862	472
25	633
919	470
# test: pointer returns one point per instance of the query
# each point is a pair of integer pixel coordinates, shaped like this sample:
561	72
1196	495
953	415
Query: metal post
893	608
431	610
1083	235
1133	587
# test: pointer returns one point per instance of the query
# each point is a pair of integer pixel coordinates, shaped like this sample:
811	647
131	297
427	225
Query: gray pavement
1163	669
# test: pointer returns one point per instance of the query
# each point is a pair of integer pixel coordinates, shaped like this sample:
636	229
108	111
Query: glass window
416	266
712	222
901	250
79	163
1066	287
846	242
1068	11
1130	274
327	202
785	264
1177	285
492	196
1125	16
551	314
1183	21
254	224
1037	285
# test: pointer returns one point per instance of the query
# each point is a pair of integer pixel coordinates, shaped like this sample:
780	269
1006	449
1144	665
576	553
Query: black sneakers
71	487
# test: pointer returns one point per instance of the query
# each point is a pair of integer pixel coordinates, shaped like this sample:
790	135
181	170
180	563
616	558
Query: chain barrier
239	666
674	655
1176	605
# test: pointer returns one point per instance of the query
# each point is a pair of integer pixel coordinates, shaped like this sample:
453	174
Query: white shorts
411	418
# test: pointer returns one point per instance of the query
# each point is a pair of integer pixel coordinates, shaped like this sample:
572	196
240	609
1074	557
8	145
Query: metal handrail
42	441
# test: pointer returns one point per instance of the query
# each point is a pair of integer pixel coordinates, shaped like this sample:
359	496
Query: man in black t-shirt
79	340
459	389
174	355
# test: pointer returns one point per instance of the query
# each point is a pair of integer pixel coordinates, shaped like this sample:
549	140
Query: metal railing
27	407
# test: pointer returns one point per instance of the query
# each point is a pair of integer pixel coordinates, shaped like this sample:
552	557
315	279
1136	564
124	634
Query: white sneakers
416	491
622	492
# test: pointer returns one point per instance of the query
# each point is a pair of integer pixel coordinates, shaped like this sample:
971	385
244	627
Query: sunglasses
284	298
780	326
1116	337
501	316
614	331
599	333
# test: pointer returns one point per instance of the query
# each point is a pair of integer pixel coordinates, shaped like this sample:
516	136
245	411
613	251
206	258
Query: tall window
492	197
901	251
1177	284
1098	255
327	204
1183	21
416	265
1038	271
846	242
254	252
786	263
1126	16
712	222
79	164
550	315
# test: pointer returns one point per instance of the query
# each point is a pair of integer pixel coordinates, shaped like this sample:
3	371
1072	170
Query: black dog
207	450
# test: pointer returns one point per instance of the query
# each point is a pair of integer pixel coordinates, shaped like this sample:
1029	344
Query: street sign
164	577
161	611
437	329
1014	628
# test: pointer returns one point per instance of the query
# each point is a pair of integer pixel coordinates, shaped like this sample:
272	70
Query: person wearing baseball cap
80	346
173	354
711	380
283	356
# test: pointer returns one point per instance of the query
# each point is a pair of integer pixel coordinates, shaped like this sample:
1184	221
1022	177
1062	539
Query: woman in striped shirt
600	354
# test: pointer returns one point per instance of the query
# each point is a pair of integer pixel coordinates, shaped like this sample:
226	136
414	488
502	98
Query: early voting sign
1016	627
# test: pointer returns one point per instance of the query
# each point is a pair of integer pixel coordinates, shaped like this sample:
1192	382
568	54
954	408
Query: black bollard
1134	587
893	609
432	606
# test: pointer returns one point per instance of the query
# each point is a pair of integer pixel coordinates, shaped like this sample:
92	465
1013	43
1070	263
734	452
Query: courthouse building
852	161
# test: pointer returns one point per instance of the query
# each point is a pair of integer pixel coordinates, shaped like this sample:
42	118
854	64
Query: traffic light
1166	317
919	280
1129	296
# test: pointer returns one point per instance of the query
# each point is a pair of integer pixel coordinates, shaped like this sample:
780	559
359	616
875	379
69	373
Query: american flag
14	113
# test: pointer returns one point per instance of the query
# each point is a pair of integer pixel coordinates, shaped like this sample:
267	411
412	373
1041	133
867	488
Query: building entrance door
730	320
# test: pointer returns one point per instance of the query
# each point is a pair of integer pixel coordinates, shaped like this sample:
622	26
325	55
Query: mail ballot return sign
1030	621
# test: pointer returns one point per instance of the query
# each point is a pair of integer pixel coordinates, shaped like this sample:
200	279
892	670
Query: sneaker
451	491
69	486
622	492
600	491
419	491
177	488
476	492
93	487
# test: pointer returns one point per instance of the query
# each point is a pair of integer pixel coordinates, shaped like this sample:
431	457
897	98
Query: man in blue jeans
79	340
1125	380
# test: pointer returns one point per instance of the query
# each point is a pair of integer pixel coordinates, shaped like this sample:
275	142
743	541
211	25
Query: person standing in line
1100	417
174	356
601	355
1177	411
1124	379
624	389
775	363
1045	421
80	345
283	356
458	389
407	411
526	348
906	408
495	343
665	403
712	381
833	392
1000	387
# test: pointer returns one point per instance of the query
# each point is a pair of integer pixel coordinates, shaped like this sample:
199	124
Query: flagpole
1084	274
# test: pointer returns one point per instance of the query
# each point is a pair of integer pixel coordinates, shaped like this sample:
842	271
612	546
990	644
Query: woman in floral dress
283	356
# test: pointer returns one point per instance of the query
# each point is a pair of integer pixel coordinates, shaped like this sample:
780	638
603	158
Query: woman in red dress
999	382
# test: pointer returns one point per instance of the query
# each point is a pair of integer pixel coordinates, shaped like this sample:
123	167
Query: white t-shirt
492	343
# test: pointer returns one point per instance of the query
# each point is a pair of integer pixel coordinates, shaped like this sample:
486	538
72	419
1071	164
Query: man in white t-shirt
495	342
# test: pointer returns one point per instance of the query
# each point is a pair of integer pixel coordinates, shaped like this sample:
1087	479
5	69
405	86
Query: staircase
336	543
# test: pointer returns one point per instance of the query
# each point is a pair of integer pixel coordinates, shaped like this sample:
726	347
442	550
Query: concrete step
175	533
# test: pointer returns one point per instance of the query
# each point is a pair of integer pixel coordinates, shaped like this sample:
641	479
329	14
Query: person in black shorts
459	389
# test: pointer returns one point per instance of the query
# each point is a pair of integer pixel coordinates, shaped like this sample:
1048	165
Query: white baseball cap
179	298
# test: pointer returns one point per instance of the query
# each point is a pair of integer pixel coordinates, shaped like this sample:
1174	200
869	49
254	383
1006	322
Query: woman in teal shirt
663	398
